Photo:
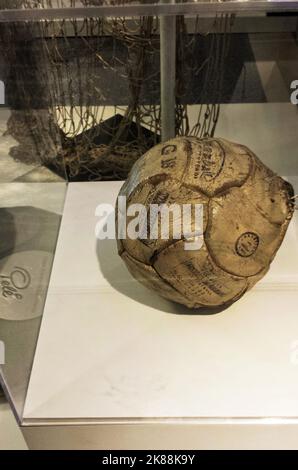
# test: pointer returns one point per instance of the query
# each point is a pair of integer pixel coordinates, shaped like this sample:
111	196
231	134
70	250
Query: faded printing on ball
246	211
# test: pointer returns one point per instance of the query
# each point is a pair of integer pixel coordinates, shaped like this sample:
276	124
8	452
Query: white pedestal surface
110	352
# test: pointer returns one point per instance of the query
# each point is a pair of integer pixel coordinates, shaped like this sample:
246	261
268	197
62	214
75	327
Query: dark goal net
84	93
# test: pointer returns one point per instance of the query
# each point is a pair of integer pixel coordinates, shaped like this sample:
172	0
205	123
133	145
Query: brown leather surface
246	207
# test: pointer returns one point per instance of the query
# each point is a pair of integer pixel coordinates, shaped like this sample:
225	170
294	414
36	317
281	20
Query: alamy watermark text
2	92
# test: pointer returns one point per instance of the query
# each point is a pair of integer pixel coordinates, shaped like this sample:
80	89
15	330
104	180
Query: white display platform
111	351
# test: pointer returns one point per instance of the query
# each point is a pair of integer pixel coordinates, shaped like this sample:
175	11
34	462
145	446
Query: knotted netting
84	93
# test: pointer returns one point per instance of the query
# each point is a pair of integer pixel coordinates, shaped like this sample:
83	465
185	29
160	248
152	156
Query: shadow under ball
246	211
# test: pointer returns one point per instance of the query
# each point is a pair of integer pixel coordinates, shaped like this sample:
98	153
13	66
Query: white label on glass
24	278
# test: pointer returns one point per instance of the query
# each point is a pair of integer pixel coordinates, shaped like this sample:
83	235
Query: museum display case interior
188	102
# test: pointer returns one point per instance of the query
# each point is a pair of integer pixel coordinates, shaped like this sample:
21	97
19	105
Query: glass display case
88	357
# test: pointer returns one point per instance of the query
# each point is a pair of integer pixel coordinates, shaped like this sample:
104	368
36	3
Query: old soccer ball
246	212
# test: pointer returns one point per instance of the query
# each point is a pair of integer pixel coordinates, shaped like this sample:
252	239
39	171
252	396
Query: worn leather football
246	212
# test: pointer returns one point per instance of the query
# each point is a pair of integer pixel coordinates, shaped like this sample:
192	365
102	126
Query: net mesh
85	93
